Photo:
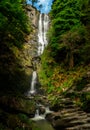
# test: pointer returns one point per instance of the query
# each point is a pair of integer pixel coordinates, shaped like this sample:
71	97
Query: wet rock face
30	46
42	110
31	40
33	15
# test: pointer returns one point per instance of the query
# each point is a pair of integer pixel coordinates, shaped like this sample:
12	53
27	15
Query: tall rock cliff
30	46
15	74
16	63
33	15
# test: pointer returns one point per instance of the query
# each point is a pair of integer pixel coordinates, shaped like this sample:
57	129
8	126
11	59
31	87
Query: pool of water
42	125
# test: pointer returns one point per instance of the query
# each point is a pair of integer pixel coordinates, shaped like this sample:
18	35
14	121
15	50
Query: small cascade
47	110
42	30
41	116
33	83
38	116
37	113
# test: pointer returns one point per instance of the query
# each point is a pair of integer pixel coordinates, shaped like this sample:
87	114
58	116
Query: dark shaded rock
18	105
56	107
42	110
49	117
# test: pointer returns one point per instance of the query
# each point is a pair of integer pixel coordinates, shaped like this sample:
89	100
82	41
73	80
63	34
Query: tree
14	23
68	32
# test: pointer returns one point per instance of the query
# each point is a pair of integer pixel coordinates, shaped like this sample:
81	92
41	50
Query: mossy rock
17	105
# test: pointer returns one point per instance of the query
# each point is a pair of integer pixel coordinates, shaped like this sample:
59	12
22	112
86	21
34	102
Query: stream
39	118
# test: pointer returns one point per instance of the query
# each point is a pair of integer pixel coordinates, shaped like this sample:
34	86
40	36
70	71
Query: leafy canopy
69	18
14	23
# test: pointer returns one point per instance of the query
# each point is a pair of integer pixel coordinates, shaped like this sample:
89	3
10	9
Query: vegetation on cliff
14	29
65	62
66	59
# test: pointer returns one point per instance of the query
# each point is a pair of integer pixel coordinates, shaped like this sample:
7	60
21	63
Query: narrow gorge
44	65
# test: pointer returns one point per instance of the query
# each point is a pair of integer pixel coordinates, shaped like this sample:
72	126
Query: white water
38	116
48	110
33	82
42	30
41	116
42	42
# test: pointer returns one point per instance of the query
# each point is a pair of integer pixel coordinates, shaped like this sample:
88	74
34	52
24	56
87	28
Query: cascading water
42	30
33	83
38	116
46	26
42	43
48	110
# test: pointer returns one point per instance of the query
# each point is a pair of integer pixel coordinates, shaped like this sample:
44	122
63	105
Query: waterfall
48	110
37	113
42	30
38	116
43	25
33	82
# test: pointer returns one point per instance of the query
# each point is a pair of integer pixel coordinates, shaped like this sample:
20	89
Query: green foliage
68	32
81	83
2	127
14	23
66	60
23	118
83	101
14	29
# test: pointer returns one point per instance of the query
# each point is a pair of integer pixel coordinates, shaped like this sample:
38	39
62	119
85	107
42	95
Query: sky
46	5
